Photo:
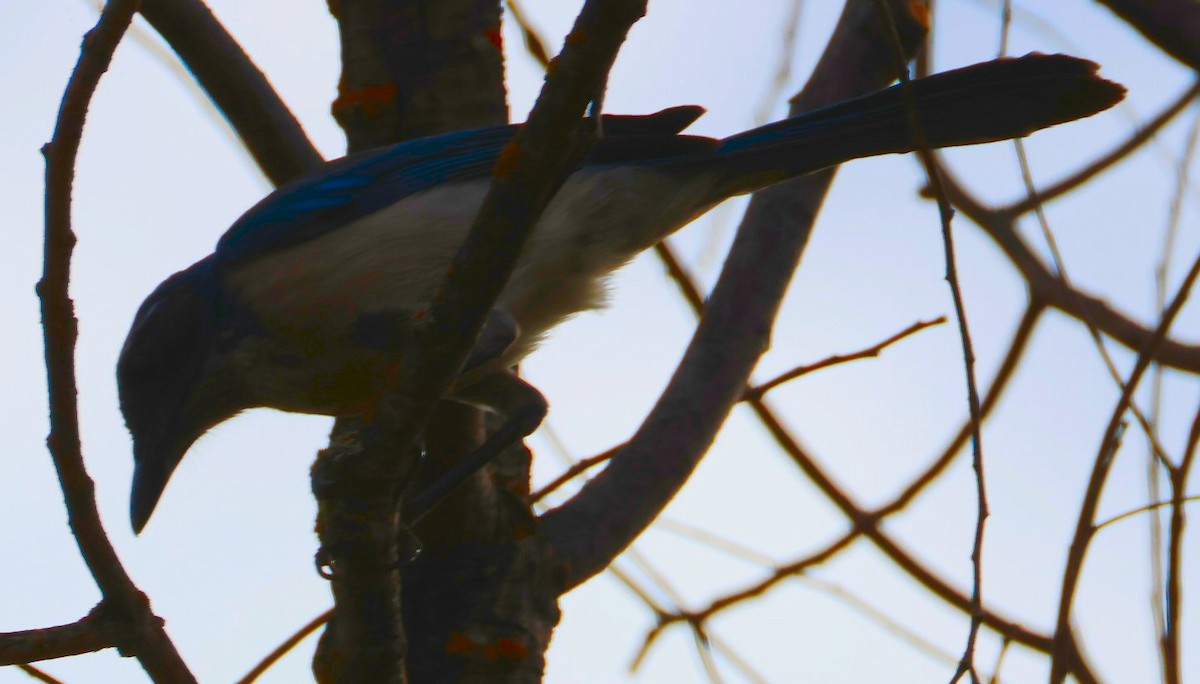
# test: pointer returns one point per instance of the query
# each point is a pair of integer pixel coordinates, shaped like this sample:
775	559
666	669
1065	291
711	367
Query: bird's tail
997	100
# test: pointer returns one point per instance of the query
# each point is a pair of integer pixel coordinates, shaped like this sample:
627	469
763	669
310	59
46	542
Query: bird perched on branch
309	300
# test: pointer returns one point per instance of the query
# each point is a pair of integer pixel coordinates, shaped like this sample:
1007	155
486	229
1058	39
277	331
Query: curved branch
590	530
1085	528
1109	160
141	632
94	632
237	87
1049	288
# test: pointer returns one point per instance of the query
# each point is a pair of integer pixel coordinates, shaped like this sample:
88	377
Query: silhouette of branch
571	473
1012	359
141	633
870	352
534	45
937	586
945	214
39	675
1085	528
94	632
282	649
1049	288
1172	660
1134	142
1144	509
610	511
264	123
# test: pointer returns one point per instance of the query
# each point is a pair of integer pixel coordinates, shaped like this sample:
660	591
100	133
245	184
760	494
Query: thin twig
1145	509
1163	598
96	631
945	213
571	473
870	352
282	649
995	678
534	45
624	499
705	653
714	541
735	659
1172	659
1134	142
39	675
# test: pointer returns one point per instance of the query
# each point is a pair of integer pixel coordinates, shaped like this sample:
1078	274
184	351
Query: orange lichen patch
509	156
493	36
510	649
919	9
503	649
372	99
460	643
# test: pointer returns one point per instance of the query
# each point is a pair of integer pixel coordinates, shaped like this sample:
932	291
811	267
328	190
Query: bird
310	298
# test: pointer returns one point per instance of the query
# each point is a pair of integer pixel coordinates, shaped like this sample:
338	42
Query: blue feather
359	185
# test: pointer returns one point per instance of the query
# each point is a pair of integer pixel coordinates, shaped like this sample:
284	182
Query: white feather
396	258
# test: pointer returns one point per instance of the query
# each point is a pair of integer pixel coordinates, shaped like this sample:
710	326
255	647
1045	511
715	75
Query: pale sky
227	558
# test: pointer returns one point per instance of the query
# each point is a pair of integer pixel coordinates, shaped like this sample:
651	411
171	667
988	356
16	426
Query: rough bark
411	69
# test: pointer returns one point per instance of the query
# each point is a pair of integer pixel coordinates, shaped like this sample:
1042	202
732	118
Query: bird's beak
154	461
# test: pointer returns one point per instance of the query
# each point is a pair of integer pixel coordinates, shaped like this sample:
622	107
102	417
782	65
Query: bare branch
870	352
534	45
282	649
866	523
571	473
610	511
1144	509
1134	142
1012	359
142	632
94	632
37	674
1085	527
1049	288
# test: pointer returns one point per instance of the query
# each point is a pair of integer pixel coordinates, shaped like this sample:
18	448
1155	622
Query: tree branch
94	632
1049	288
1086	526
591	529
142	632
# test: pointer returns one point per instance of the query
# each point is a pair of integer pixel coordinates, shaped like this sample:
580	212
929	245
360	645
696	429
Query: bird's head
175	379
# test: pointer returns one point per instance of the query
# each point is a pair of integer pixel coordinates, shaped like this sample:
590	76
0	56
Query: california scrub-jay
309	298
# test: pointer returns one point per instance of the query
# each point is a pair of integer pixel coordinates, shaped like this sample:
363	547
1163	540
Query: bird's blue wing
360	185
354	187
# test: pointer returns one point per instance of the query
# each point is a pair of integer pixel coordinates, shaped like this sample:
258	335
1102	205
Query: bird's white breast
396	258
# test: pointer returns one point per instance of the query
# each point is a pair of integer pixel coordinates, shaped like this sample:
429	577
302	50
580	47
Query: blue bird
308	300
